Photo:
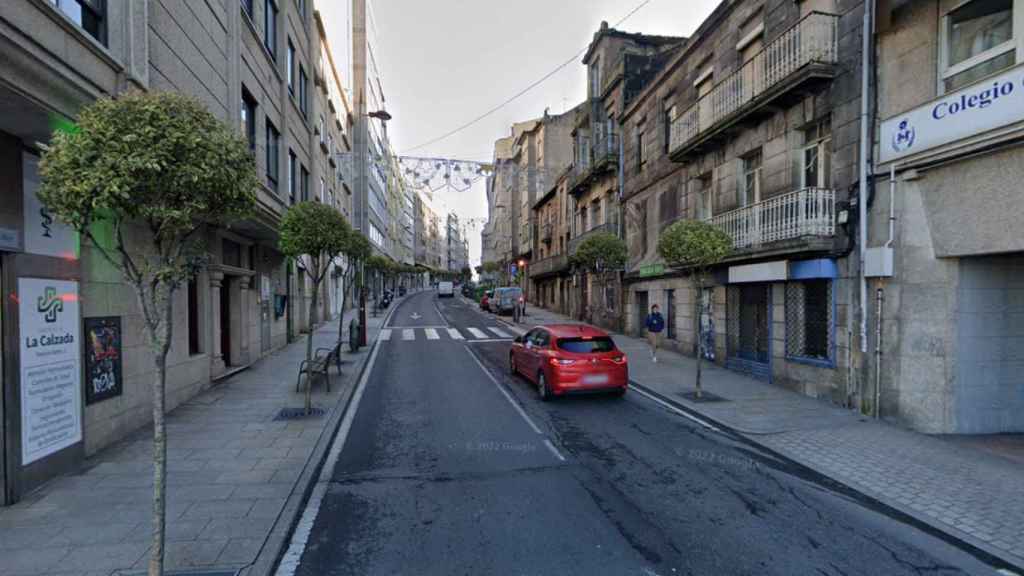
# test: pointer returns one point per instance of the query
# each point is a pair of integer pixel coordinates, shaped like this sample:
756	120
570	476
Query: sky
442	63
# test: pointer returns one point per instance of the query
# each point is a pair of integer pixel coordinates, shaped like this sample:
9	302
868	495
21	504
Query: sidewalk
973	494
234	473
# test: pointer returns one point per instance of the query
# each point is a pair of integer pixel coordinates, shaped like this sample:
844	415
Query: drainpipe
866	131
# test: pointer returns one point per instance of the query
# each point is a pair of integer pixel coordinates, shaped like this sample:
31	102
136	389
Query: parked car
401	290
506	299
445	290
565	359
467	290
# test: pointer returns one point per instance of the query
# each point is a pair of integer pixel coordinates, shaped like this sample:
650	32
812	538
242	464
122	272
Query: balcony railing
812	40
604	148
806	212
550	265
574	244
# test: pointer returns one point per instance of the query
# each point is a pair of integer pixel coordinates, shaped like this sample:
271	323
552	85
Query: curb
277	541
998	559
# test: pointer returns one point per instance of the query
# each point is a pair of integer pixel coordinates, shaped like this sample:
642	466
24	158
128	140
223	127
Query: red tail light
619	359
560	362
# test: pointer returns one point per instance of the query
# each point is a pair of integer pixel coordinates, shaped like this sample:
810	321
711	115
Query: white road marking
504	392
385	334
408	334
431	334
440	315
672	408
499	333
551	447
455	334
477	333
487	340
290	561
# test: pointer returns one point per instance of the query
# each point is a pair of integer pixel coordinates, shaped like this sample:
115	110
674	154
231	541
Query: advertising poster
103	376
51	391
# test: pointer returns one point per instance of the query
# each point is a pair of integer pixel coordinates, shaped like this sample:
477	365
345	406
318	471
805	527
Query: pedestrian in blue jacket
655	325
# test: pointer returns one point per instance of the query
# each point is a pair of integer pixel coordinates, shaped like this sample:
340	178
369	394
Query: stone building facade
256	65
550	272
951	127
753	126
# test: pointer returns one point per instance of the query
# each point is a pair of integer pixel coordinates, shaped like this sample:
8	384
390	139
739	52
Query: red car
569	358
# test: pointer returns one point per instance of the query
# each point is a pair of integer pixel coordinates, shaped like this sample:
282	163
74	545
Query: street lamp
383	116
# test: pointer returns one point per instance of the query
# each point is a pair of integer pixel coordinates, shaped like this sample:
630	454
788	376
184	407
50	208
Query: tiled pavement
231	468
972	494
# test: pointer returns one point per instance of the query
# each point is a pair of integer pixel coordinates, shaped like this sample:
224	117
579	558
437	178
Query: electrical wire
522	92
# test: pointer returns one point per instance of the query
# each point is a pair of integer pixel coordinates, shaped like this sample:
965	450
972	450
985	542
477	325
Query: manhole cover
299	413
704	397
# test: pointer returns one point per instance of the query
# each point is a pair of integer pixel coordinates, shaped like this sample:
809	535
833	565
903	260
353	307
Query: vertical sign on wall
51	392
44	234
103	378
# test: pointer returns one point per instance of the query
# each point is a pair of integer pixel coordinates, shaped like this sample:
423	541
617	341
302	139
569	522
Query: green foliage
694	244
601	252
314	229
358	247
491	267
157	158
378	263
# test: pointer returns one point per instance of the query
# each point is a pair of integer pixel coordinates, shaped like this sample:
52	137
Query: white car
445	290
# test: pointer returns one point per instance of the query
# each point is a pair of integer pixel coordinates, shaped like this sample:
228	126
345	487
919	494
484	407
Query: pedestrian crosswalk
432	333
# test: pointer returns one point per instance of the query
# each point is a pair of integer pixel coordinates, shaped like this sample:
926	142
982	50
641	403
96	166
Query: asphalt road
454	467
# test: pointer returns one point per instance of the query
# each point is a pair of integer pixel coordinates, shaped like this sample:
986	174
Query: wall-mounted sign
264	288
986	105
652	270
103	374
44	234
51	392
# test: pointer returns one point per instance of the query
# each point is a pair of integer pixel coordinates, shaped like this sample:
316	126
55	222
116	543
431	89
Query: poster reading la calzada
51	391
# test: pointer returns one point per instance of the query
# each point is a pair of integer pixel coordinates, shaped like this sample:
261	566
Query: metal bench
333	355
318	365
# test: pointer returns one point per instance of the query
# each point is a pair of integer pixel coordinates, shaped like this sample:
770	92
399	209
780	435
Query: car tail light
561	362
619	359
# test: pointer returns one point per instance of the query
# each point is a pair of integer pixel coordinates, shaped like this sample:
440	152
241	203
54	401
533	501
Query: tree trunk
309	347
346	281
162	345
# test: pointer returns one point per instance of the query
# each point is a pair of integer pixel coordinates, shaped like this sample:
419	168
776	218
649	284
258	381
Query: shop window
809	320
977	40
90	15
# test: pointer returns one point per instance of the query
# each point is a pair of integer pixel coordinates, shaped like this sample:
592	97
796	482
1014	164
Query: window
301	4
90	15
705	196
303	91
641	222
304	183
670	314
270	27
323	190
816	156
292	161
193	317
595	79
291	67
273	140
671	113
977	40
587	345
750	180
249	119
809	317
641	149
247	6
668	207
322	130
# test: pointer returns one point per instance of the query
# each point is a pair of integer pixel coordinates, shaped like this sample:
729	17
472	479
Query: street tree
604	254
357	250
378	265
141	178
696	246
315	234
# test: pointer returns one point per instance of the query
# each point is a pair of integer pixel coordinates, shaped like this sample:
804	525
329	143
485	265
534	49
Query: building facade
951	128
256	65
550	271
753	127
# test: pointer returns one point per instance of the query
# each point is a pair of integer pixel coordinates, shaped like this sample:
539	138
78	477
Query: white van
445	290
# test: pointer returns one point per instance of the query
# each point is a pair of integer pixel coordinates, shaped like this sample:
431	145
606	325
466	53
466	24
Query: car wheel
542	387
619	393
512	365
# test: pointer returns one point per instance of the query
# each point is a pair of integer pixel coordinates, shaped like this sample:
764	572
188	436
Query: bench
333	355
318	365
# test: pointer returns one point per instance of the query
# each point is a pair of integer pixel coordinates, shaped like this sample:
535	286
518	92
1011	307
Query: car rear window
586	345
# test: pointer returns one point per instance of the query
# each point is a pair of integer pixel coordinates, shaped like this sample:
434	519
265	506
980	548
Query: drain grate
299	413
